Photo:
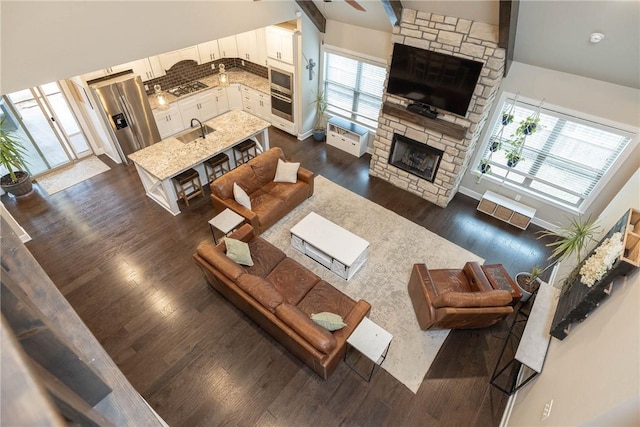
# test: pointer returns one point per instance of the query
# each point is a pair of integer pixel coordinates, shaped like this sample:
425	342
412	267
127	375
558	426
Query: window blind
563	160
353	88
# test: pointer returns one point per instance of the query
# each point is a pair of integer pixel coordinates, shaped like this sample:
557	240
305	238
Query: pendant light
161	98
222	75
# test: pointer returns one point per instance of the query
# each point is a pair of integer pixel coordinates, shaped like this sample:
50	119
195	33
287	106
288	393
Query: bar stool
219	166
242	152
188	180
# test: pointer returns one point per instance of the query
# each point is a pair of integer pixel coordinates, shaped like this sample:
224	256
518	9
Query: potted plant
495	145
320	127
573	238
528	126
485	167
514	153
12	152
506	118
528	282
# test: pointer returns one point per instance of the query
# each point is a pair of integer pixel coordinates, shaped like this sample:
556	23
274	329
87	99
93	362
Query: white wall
593	97
309	49
593	375
365	41
44	41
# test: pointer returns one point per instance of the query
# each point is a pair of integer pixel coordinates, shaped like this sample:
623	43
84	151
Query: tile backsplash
186	71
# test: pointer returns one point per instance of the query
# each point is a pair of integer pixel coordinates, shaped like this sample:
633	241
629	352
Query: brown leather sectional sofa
270	200
280	295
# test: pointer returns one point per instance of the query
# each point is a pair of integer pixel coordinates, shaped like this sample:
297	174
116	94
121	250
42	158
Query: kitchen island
160	162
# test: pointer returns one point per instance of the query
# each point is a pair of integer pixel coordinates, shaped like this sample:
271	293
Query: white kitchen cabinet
234	95
144	68
107	71
279	44
247	46
347	136
283	124
201	106
221	100
169	121
261	39
228	47
169	59
256	103
208	51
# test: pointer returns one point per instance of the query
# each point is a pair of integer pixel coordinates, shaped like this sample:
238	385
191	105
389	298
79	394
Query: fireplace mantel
444	127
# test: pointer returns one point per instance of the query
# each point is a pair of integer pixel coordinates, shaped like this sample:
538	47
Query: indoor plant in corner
12	152
569	239
319	126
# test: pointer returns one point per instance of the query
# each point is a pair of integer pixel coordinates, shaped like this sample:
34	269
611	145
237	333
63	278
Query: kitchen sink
194	134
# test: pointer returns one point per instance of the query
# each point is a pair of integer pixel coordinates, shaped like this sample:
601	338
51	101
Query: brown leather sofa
280	295
456	298
270	200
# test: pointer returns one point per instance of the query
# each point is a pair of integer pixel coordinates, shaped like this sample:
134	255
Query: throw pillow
238	251
286	172
241	196
329	321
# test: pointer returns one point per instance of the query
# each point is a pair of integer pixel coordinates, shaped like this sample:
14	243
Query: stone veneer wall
458	37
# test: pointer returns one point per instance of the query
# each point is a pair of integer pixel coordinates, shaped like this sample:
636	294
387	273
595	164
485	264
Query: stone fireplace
454	137
414	157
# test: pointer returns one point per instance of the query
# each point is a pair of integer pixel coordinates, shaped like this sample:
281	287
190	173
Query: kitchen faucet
201	126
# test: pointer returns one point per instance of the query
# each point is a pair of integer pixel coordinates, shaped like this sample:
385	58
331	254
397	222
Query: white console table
533	344
505	209
337	249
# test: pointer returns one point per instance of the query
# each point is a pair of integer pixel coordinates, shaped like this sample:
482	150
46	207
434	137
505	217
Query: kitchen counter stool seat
216	166
245	151
188	185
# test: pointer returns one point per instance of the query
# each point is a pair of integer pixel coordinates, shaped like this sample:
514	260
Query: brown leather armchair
456	298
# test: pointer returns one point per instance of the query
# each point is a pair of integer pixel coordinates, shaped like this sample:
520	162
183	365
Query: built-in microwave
281	80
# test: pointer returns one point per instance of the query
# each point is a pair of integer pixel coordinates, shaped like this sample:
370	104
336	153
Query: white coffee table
226	221
337	249
371	341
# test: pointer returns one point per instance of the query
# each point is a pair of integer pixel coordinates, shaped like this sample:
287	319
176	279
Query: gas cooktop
187	88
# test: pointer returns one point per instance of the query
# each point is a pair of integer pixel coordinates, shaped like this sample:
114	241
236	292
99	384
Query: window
353	88
564	160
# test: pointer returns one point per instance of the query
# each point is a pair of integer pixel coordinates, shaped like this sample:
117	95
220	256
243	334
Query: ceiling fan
353	3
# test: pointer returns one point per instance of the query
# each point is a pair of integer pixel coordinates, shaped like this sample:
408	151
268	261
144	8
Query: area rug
71	175
395	245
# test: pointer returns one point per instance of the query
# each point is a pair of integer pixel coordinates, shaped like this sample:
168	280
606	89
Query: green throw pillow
329	321
238	251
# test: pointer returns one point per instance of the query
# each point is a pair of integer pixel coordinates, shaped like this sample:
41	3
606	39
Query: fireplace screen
415	157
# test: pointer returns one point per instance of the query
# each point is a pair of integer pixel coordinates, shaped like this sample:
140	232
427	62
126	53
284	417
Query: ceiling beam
313	13
393	9
508	24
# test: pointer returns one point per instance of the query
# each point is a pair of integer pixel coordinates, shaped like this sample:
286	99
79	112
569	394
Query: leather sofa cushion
477	279
261	290
495	298
268	208
291	194
217	258
449	281
324	297
292	280
265	168
317	336
265	257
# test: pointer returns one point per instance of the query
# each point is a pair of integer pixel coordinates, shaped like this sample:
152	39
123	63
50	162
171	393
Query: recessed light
596	37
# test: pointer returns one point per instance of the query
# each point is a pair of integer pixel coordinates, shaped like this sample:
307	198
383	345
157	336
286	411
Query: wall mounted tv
432	78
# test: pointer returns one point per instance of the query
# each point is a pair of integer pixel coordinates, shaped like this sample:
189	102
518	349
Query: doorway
45	123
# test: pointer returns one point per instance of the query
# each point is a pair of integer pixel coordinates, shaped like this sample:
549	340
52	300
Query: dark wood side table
500	279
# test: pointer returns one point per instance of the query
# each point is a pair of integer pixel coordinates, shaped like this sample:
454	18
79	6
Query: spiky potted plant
12	153
570	239
319	126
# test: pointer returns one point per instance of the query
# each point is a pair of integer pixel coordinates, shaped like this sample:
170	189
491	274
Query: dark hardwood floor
125	265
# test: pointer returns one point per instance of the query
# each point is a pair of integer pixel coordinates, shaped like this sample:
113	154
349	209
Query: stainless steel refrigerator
125	107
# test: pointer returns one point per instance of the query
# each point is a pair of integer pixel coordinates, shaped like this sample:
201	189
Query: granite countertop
169	157
243	77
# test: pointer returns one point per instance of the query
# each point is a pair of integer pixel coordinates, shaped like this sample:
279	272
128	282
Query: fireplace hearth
414	157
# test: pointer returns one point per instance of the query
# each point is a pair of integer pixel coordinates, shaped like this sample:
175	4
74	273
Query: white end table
226	221
371	341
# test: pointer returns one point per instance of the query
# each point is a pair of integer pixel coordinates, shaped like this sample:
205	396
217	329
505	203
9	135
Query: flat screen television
432	78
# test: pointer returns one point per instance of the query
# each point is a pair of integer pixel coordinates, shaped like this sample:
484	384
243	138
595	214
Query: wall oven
281	93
